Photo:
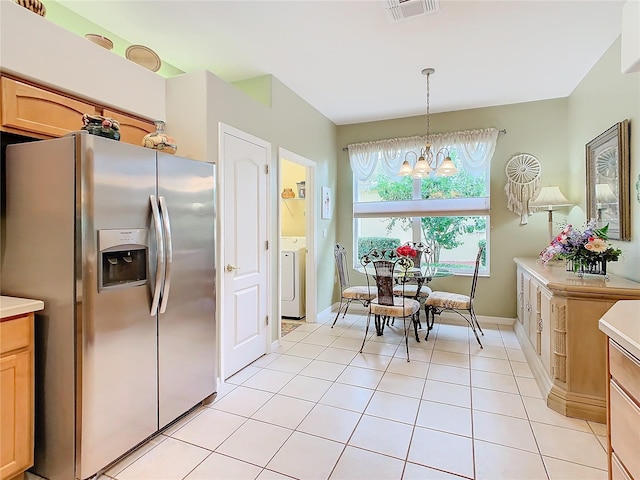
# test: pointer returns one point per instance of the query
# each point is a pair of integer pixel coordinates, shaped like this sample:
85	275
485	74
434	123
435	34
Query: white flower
596	245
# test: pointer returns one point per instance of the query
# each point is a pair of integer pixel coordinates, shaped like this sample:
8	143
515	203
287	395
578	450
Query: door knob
231	268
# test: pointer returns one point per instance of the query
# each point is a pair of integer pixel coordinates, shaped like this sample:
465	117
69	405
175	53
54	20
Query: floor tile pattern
315	408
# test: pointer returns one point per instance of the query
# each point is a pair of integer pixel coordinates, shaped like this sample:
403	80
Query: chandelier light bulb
427	164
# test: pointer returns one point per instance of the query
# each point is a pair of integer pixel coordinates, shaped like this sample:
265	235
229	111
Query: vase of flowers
585	252
407	251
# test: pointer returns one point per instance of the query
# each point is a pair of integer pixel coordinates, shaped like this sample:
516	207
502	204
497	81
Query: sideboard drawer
625	370
15	334
625	434
617	470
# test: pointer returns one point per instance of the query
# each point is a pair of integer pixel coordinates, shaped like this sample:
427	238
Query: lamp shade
422	168
604	194
447	169
405	169
550	197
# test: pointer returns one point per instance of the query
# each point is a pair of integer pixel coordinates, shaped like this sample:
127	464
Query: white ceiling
354	64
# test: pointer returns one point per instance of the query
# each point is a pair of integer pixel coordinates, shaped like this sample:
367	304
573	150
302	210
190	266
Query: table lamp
550	198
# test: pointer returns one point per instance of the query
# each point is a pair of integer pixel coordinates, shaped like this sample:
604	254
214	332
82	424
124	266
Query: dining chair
382	267
437	302
349	293
415	287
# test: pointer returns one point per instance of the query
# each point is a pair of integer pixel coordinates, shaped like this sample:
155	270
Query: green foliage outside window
437	232
483	257
366	244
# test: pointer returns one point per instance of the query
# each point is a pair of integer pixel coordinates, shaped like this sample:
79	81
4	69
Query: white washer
293	274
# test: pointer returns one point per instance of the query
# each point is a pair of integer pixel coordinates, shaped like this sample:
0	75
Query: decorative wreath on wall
523	184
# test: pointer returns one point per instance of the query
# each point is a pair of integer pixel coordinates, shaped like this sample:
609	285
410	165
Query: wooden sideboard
621	324
35	111
557	327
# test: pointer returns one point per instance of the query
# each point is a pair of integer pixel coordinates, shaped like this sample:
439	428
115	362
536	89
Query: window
450	214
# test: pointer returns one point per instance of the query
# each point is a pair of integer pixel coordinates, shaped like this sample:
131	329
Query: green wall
198	102
604	98
79	25
537	128
555	131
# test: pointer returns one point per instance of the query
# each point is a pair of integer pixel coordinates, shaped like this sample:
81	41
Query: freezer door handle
160	265
169	254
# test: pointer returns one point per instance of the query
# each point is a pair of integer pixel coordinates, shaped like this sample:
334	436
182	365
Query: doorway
296	224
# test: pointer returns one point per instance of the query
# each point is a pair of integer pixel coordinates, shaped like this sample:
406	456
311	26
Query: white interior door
245	277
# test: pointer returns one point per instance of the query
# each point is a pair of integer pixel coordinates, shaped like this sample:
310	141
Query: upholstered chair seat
359	293
449	300
402	307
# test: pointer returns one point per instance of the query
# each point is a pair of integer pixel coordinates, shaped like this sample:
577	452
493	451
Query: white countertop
622	324
11	306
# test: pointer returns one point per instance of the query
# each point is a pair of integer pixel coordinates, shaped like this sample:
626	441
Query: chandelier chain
428	116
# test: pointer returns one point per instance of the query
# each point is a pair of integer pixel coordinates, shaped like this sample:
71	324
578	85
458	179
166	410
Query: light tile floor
317	409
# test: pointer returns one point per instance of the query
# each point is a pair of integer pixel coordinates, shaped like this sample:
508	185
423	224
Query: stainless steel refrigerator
118	241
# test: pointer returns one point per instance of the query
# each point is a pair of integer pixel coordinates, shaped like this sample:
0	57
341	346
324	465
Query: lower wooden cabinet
624	413
38	112
16	395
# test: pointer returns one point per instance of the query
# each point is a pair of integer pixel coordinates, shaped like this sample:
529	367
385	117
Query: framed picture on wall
326	203
608	175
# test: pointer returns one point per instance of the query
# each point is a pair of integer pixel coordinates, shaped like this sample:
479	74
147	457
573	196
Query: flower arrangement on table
407	251
587	251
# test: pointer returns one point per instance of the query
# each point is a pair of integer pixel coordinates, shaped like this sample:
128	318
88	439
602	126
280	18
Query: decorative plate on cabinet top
144	56
36	6
99	40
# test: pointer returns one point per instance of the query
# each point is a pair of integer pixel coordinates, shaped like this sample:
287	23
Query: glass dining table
418	276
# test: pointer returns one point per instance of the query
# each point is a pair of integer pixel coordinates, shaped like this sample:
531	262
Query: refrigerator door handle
169	253
160	265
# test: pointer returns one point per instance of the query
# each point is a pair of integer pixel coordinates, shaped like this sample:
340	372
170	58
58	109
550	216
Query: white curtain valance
474	147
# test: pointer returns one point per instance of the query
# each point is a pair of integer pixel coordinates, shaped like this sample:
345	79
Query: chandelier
428	163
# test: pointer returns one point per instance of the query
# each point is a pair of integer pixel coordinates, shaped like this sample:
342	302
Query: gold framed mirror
608	193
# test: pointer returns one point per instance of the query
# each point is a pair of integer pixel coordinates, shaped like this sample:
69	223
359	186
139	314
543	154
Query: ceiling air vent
403	9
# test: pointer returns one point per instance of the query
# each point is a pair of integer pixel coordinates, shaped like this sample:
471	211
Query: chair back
380	265
340	254
422	252
475	273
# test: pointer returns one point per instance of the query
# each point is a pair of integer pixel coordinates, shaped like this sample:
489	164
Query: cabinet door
534	315
132	130
546	329
16	393
530	289
526	281
26	108
520	300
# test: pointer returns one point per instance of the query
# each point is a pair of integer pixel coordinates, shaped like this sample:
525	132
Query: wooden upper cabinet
132	130
38	112
29	109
